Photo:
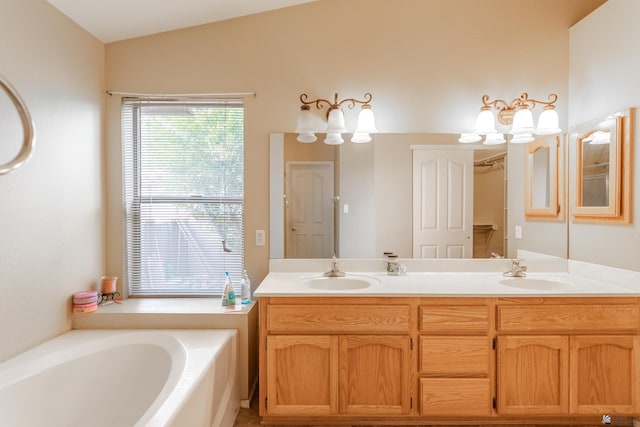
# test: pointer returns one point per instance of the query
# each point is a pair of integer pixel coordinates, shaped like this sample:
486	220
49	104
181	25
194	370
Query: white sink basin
535	284
347	283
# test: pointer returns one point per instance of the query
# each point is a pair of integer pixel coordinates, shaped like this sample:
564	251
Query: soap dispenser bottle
228	295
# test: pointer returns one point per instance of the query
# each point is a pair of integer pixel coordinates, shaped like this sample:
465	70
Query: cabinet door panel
604	374
302	375
533	375
374	374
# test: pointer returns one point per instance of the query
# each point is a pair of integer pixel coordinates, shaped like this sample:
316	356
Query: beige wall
51	210
426	64
603	79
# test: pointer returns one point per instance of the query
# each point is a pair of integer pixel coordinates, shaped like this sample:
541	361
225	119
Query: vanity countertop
444	284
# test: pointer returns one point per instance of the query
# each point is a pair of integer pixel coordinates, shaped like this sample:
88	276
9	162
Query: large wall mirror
365	206
602	172
544	179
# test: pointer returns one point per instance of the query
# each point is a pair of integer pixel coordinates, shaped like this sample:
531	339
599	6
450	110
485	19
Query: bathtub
109	378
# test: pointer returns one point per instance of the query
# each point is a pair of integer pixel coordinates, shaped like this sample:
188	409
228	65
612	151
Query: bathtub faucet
517	270
335	269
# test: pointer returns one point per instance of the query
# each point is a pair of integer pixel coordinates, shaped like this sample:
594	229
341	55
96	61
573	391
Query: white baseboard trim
246	403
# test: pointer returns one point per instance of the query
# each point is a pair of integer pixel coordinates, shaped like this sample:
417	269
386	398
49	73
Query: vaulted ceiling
113	20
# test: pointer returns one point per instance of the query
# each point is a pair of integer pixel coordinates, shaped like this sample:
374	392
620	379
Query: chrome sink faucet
335	269
517	270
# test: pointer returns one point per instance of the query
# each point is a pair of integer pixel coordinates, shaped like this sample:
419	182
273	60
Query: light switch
345	208
260	238
518	232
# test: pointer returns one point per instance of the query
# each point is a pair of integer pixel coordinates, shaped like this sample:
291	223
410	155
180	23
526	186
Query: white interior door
309	218
442	203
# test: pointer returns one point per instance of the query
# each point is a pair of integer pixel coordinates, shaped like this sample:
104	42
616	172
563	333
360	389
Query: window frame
134	202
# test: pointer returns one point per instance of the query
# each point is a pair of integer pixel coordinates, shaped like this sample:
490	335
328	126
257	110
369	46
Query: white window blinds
183	167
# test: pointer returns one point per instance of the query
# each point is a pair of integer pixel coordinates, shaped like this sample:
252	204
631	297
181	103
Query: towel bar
28	143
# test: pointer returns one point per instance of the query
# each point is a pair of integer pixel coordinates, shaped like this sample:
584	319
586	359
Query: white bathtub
121	378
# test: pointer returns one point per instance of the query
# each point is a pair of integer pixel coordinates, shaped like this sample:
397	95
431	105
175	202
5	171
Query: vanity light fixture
518	115
335	120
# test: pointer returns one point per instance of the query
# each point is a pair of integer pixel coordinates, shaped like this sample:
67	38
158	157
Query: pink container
88	300
85	308
85	294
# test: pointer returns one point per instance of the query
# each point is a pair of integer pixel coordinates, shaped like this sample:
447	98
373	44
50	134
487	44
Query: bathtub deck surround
124	378
452	342
187	313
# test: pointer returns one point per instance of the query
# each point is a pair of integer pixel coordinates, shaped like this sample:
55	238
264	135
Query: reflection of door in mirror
442	203
309	214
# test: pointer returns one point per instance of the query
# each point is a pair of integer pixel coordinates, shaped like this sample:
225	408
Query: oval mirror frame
616	181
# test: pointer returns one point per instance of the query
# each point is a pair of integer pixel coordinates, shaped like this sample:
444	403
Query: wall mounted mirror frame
602	178
545	179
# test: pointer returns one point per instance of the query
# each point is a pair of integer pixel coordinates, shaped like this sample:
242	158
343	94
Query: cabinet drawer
454	355
340	318
461	319
455	396
569	318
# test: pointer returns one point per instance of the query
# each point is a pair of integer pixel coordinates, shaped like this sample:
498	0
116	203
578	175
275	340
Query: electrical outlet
260	238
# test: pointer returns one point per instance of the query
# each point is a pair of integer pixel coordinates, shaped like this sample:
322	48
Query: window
183	177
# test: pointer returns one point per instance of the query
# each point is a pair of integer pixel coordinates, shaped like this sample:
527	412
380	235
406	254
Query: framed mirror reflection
372	198
602	178
544	179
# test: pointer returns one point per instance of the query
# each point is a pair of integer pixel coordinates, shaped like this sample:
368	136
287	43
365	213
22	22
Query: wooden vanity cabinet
461	360
335	356
571	356
455	358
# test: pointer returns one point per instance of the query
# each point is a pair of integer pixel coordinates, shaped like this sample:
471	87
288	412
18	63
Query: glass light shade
335	124
598	138
360	137
305	120
307	137
469	138
522	138
333	138
548	123
522	122
494	139
485	123
366	121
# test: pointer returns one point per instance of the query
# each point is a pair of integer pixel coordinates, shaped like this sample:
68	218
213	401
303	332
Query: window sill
165	313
